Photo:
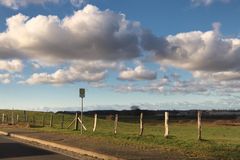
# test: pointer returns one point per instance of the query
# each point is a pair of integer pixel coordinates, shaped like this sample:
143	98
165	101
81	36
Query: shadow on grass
170	137
35	126
204	140
207	141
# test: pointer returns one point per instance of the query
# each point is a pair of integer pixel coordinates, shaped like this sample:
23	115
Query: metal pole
82	117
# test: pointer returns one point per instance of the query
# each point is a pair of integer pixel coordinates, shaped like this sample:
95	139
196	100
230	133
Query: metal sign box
82	92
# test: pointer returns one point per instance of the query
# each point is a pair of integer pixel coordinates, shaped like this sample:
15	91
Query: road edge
61	146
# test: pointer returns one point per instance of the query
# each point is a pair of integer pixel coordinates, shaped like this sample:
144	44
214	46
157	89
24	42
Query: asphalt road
11	150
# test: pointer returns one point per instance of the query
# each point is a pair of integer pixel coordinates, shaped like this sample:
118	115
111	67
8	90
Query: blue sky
169	54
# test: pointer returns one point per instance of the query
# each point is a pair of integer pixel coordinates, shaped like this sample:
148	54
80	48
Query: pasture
221	138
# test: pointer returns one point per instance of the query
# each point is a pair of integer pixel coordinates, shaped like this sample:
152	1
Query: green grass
219	141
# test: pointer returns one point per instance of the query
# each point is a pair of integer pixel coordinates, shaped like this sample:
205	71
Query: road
11	150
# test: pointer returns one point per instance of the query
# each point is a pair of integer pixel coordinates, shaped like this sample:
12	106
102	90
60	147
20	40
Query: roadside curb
62	147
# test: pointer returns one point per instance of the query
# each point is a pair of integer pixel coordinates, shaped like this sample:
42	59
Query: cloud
192	86
155	44
138	73
80	71
36	65
99	84
77	3
207	2
91	34
157	86
206	53
5	78
175	84
61	76
220	76
14	65
91	42
16	4
88	34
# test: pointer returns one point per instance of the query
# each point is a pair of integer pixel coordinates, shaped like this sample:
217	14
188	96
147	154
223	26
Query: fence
95	125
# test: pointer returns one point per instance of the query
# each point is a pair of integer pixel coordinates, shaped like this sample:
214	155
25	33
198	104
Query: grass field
220	141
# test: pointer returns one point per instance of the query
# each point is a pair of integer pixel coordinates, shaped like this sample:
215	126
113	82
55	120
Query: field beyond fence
220	134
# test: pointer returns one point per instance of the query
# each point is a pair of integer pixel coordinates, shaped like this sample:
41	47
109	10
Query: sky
168	54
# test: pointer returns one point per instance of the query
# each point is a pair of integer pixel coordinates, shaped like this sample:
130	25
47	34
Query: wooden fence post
26	117
62	122
166	125
51	121
17	118
95	122
141	125
79	120
43	120
33	120
199	115
12	119
76	122
3	118
7	118
115	123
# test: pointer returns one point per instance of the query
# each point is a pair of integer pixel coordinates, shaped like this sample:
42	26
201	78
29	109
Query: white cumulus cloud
205	54
62	76
138	73
89	34
80	71
14	65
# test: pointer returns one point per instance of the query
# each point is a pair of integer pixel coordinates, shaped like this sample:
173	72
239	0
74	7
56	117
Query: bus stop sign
82	92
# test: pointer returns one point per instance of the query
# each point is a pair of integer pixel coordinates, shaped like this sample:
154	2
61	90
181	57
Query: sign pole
82	95
82	116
